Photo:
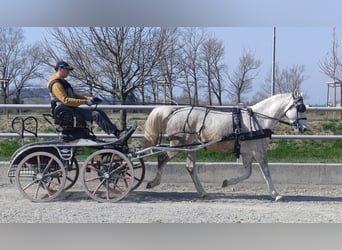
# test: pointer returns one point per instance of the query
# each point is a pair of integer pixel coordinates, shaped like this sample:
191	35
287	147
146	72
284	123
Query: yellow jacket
62	92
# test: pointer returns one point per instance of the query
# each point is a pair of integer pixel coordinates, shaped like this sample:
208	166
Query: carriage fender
24	151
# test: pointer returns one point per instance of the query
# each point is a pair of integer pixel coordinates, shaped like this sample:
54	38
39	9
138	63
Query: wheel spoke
111	178
139	173
30	184
72	170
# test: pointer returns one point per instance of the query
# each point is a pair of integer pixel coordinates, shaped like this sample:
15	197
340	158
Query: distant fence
24	107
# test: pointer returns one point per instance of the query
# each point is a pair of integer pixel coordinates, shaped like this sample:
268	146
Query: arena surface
178	202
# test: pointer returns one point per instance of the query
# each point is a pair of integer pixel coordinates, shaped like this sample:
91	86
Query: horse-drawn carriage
42	170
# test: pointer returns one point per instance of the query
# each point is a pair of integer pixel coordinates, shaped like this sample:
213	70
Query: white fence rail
149	107
140	107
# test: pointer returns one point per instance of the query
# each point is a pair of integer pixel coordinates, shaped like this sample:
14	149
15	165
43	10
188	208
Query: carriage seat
73	125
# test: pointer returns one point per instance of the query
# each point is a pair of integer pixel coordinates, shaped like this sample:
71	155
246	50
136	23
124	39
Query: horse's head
296	113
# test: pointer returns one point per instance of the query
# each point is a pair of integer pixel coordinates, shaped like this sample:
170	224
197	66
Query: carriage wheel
139	173
40	176
72	170
108	175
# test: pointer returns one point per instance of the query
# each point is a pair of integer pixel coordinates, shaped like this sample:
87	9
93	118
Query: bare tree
242	78
29	70
290	79
117	60
167	70
286	81
19	62
193	40
213	68
331	65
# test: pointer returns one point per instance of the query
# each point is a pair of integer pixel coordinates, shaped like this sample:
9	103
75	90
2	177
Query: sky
305	46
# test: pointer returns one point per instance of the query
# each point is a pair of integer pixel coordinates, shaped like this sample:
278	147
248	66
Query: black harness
245	136
237	135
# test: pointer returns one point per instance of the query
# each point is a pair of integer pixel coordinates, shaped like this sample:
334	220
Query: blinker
301	108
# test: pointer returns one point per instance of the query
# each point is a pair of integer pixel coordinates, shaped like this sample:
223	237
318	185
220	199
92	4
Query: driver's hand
96	100
89	102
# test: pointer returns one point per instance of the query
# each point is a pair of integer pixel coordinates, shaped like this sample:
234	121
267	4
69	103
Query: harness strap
198	133
187	119
252	135
236	120
246	136
202	126
236	117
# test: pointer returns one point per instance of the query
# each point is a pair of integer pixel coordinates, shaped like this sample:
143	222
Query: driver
63	95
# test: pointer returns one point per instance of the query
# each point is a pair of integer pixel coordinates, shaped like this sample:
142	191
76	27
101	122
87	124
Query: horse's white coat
193	125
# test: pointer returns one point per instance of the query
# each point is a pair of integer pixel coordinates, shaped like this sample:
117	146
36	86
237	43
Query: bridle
300	108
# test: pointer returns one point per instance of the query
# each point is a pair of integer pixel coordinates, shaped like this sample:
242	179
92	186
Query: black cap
63	65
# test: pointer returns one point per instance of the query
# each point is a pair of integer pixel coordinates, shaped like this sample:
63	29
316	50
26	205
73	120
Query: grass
8	147
310	151
315	151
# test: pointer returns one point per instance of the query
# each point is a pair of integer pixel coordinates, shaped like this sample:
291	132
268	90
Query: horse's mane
270	100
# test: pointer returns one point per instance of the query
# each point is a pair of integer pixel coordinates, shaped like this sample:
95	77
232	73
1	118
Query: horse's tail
155	125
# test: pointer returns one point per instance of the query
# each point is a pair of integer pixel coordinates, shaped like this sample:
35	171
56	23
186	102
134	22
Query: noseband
300	107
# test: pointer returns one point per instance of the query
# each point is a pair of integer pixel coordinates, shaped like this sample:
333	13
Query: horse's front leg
247	163
261	157
192	169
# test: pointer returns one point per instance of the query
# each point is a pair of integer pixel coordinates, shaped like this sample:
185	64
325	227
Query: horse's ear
296	94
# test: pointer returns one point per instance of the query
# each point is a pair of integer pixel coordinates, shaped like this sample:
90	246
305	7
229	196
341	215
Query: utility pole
273	62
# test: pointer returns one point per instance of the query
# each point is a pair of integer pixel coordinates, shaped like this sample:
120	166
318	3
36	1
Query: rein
276	119
270	117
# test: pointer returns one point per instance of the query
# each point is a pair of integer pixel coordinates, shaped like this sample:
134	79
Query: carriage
42	170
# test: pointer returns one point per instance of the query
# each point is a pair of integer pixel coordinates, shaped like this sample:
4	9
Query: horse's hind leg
162	160
247	163
192	169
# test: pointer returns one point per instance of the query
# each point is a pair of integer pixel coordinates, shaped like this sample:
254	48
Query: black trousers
90	115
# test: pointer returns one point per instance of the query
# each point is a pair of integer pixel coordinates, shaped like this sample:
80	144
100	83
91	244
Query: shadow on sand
178	196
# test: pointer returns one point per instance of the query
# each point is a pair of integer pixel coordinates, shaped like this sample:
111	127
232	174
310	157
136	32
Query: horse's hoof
225	183
205	195
279	198
149	185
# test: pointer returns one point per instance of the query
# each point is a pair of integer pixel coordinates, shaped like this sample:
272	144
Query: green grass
319	151
8	147
315	151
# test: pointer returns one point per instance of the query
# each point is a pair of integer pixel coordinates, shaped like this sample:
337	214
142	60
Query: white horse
247	137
